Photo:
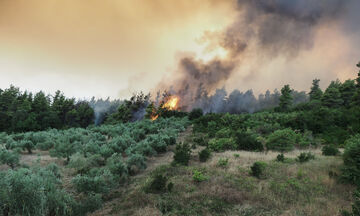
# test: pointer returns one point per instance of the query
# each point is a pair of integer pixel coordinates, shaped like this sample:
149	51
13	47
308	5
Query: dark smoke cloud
269	28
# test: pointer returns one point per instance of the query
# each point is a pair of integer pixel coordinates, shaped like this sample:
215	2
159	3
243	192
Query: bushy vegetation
204	154
23	111
182	154
305	157
330	150
351	171
199	176
101	159
258	168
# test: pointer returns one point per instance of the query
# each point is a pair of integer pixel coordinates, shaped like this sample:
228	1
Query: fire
172	103
153	118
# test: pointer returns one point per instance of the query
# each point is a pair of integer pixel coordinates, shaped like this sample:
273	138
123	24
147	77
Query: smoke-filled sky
116	47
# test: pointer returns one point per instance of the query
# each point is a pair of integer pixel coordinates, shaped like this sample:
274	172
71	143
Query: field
111	170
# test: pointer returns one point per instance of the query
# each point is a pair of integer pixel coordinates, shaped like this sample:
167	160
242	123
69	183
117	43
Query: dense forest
296	154
23	111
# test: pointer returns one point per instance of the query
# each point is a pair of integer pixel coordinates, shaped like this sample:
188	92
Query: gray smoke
269	28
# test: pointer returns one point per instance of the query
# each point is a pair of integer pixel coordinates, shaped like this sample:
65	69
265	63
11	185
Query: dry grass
289	188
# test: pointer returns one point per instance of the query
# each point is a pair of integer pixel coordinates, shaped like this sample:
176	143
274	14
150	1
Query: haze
113	48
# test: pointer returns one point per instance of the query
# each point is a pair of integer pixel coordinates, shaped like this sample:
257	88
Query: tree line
23	111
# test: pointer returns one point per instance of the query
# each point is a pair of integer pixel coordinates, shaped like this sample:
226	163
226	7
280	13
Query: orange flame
172	103
153	118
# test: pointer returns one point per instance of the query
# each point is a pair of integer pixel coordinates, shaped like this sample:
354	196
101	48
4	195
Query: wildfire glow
172	103
153	118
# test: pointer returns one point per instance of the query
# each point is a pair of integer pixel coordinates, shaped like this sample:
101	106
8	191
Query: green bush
135	162
280	158
199	140
258	168
281	140
91	203
64	148
198	176
116	166
248	142
305	157
156	184
351	157
223	162
222	144
204	155
330	150
195	114
9	158
33	192
182	154
27	145
88	184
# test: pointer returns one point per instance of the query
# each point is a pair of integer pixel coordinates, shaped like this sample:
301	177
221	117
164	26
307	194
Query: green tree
356	98
315	91
347	91
332	96
64	148
285	98
85	114
281	140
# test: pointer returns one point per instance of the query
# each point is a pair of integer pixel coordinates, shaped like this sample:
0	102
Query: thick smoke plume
268	28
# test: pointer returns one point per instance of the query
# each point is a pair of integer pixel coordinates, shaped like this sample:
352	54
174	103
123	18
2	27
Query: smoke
103	108
265	29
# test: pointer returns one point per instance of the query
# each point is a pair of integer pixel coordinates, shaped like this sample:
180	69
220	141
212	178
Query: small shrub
200	141
116	165
223	162
9	158
304	157
195	114
27	145
351	170
89	184
222	144
258	168
198	176
182	154
330	150
281	140
248	142
280	158
204	155
236	155
170	186
157	184
135	162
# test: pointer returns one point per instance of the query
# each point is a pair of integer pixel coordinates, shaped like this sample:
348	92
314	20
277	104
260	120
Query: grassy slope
288	189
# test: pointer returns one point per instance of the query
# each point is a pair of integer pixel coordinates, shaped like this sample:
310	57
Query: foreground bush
281	140
198	176
258	168
156	184
330	150
182	154
9	158
280	158
305	157
351	171
248	142
204	155
33	192
222	144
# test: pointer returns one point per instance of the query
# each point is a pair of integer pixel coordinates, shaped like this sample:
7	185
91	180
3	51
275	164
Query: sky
113	48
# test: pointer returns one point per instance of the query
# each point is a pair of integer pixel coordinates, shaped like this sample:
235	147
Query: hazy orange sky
115	47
